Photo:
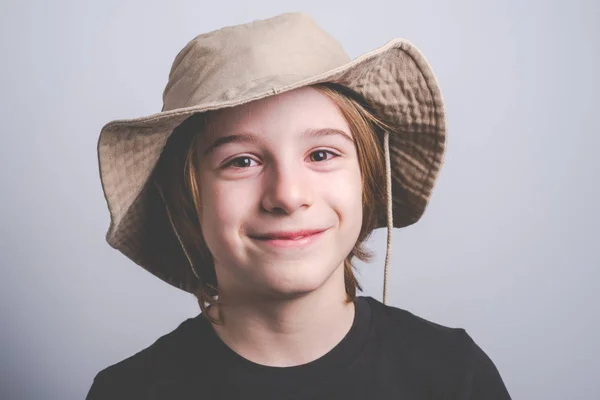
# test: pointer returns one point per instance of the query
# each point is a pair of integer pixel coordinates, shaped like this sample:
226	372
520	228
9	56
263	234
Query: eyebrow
249	137
313	133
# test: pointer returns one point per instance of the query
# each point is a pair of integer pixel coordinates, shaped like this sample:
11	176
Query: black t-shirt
388	353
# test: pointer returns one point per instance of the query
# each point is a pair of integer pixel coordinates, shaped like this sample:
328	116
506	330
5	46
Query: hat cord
175	230
390	221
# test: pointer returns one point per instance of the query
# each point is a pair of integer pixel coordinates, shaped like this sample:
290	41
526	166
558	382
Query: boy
273	159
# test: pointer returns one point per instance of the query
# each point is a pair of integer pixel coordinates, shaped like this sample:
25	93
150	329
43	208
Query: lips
293	235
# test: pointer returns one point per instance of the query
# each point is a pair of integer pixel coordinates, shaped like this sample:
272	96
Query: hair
177	176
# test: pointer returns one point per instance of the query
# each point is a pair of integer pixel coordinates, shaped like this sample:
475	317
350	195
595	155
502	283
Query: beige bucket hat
238	64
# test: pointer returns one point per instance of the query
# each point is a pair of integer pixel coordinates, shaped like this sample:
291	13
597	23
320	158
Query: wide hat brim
395	80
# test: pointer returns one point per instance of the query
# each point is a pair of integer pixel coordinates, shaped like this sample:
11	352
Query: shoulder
400	324
156	366
449	354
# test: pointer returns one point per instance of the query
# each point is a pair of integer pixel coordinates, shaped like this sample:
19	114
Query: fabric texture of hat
242	63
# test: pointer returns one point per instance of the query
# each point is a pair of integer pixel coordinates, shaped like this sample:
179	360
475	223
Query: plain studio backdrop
507	249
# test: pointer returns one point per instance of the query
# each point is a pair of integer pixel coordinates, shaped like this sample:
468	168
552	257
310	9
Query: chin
294	281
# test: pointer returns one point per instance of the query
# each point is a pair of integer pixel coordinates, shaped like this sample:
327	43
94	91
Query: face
281	195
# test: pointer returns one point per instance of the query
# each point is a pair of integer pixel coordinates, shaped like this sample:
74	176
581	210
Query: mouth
289	239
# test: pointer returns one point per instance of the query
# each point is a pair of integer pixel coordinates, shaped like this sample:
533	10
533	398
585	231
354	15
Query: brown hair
177	176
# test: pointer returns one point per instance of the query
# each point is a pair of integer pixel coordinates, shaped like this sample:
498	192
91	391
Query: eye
322	155
241	162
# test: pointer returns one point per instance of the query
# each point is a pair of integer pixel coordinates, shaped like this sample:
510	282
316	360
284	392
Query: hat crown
229	62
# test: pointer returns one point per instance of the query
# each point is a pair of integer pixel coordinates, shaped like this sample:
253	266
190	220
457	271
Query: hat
242	63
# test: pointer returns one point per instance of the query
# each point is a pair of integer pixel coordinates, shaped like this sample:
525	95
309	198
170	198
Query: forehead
289	113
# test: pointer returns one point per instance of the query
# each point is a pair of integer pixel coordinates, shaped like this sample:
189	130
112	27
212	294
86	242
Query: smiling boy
254	189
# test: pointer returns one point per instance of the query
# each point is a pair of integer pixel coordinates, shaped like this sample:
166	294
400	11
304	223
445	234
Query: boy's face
271	170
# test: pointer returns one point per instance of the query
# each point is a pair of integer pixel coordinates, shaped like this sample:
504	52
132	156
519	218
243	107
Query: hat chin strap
390	221
175	230
390	216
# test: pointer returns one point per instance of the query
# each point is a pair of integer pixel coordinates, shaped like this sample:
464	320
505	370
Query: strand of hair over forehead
389	212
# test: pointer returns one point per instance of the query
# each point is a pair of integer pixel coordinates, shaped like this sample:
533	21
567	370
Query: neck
286	332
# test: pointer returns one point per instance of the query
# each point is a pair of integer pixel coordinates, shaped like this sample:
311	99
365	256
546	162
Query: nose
287	189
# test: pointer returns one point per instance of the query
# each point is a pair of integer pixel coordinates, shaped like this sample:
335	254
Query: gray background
507	248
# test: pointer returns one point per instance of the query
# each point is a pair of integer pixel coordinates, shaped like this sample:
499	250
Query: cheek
224	206
345	195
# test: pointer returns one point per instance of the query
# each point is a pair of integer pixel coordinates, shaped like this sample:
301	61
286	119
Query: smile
289	239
